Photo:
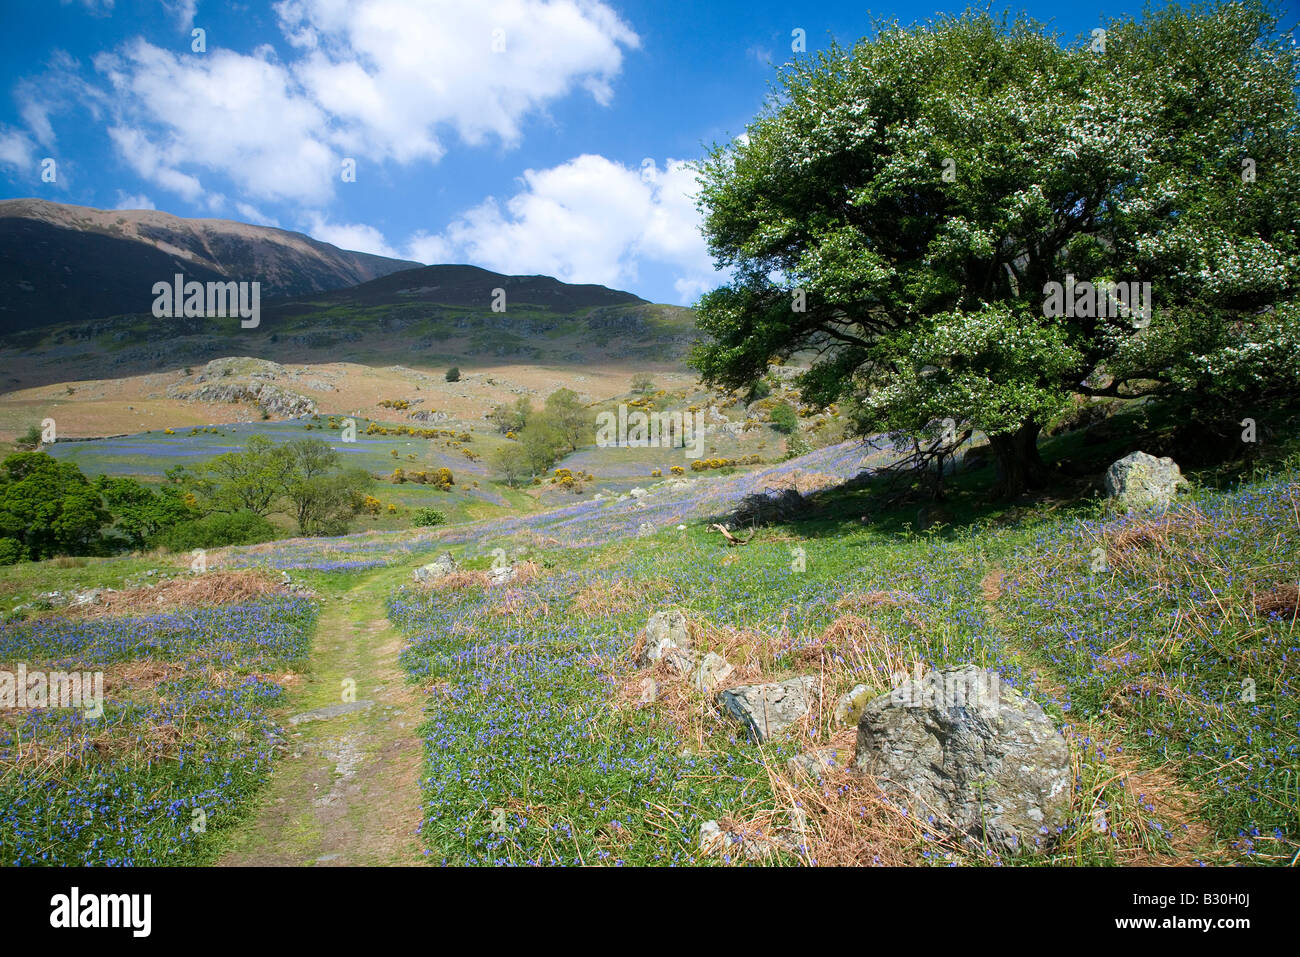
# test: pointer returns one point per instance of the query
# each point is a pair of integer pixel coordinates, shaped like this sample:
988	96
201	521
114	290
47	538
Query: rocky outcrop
665	632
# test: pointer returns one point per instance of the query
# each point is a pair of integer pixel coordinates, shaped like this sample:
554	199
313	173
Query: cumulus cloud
17	151
590	220
388	80
223	112
355	236
182	12
127	200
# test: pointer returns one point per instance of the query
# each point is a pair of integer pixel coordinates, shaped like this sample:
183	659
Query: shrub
11	551
216	530
784	418
428	517
453	374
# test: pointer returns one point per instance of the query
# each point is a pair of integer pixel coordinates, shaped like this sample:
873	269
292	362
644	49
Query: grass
184	743
1165	647
534	696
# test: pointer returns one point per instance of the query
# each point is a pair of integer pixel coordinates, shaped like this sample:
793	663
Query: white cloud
355	236
379	79
182	12
127	200
590	220
17	151
224	112
98	8
251	214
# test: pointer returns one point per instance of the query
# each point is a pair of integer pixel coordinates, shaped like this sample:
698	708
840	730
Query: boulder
1139	481
712	670
501	574
665	631
978	757
442	565
768	709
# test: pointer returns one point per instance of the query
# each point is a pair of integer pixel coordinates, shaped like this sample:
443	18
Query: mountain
469	286
61	263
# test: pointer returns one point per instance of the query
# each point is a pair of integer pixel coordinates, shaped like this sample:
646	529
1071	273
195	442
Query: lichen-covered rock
849	708
1139	481
712	670
664	632
768	709
814	763
979	757
442	565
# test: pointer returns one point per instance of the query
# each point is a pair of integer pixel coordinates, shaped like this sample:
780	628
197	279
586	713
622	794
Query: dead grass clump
1282	601
991	585
517	602
866	601
454	581
142	674
211	588
1154	534
603	597
845	820
526	572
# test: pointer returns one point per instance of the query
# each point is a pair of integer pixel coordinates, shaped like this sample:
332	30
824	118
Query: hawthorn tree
900	209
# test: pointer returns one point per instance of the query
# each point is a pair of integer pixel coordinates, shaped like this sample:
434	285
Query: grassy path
346	789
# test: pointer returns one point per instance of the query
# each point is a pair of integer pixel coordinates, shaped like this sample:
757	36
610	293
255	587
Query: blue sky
562	151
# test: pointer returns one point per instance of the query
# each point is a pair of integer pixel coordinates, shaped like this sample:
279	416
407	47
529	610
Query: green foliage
643	383
569	419
784	418
138	512
31	439
48	507
11	551
453	374
902	206
428	517
513	462
250	480
512	418
215	531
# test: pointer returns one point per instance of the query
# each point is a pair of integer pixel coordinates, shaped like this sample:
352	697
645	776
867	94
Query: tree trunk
1020	469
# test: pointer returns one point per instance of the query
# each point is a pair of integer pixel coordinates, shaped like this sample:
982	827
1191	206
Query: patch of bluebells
150	779
1159	655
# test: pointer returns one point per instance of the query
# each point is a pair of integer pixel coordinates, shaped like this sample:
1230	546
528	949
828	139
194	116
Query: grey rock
649	691
975	755
752	845
501	575
814	763
768	709
664	632
442	565
712	670
1140	481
